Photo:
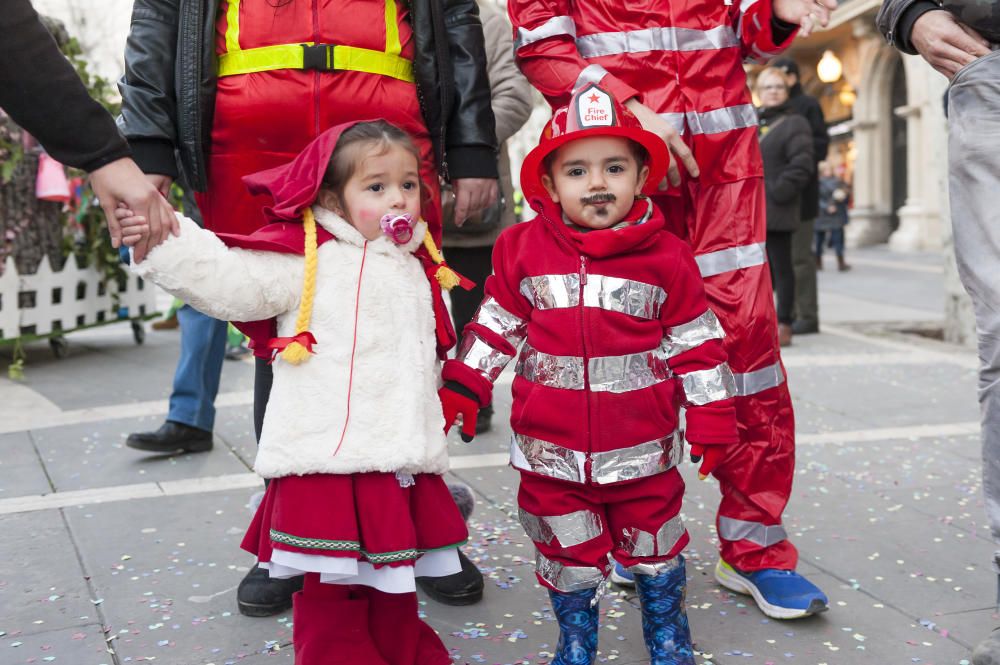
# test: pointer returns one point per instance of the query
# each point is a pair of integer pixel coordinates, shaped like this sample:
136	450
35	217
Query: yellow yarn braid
445	276
295	353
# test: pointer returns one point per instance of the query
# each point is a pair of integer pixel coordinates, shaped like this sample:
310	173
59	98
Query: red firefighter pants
725	225
575	526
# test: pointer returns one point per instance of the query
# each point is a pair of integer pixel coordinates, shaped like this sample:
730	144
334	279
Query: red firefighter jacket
614	334
681	58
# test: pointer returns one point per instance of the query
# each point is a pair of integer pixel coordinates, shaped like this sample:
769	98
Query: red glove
713	455
457	401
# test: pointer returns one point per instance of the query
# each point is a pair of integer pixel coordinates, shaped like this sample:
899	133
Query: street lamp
829	67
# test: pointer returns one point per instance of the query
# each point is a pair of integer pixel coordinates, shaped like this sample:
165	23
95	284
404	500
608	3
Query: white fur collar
346	233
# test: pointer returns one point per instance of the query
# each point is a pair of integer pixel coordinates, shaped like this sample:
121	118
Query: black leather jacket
168	90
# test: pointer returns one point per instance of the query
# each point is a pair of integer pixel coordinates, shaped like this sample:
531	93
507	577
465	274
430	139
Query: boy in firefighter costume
343	285
680	64
614	331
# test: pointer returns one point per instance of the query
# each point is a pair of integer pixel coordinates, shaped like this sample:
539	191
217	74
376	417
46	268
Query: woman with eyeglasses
787	150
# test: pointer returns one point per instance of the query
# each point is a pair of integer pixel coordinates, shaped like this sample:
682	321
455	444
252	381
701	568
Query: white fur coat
395	421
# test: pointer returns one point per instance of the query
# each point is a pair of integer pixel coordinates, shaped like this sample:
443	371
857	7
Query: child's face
383	183
595	180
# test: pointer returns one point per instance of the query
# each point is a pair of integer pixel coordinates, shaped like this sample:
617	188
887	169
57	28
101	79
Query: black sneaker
172	438
261	596
464	588
803	327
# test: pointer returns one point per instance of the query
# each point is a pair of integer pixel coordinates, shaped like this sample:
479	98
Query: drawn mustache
600	197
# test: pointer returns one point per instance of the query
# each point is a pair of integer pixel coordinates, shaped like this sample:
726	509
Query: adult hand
945	43
121	181
652	122
472	195
807	14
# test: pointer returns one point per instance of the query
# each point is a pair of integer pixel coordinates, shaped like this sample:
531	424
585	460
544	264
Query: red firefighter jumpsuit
268	107
683	59
616	335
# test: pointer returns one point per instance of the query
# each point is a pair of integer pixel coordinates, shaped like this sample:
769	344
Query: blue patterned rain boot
577	627
664	617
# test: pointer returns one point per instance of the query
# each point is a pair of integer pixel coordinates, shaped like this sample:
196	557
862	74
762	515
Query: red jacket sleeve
693	341
754	23
545	49
491	340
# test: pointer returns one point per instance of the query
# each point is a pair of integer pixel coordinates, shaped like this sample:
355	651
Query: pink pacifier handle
399	228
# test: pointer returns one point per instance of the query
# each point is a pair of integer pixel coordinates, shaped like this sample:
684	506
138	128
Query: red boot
330	629
400	635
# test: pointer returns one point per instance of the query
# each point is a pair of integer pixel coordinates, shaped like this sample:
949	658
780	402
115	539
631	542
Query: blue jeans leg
199	368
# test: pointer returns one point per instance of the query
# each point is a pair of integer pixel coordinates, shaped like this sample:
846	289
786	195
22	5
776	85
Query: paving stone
42	586
113	370
892	395
167	569
83	644
94	455
21	472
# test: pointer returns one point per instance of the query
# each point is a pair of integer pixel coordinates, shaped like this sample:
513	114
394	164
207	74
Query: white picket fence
68	299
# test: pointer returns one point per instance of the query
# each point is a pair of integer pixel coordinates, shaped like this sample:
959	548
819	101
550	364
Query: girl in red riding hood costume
344	286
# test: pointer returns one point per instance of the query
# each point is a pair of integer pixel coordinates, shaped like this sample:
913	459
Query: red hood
606	242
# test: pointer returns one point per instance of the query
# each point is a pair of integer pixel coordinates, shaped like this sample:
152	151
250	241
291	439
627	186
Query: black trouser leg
779	256
476	263
263	376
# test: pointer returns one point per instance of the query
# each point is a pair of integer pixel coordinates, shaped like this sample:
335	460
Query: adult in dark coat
41	92
806	297
787	150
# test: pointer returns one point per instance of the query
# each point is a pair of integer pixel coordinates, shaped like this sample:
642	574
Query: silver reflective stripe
733	529
491	315
656	39
693	334
556	26
640	461
569	530
722	120
759	380
716	121
615	374
709	385
639	543
658	568
614	294
547	459
734	258
634	371
552	291
553	371
567	578
590	74
627	296
482	357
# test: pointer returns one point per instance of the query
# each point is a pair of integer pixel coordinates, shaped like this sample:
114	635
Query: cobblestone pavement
111	557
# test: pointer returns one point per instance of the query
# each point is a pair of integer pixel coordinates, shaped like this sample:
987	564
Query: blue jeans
836	241
196	379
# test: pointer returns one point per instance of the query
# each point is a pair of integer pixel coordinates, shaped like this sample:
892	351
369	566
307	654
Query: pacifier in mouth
399	228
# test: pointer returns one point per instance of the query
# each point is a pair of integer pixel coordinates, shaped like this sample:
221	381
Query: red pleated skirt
376	529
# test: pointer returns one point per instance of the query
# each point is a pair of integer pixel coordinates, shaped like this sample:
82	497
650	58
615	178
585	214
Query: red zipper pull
583	270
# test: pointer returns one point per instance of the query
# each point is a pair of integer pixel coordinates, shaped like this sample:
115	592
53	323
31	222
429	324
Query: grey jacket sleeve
511	92
149	105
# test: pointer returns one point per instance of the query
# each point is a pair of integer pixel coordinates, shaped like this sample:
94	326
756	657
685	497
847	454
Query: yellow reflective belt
292	56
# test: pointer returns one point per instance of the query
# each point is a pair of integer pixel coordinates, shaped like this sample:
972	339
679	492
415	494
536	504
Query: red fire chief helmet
591	112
